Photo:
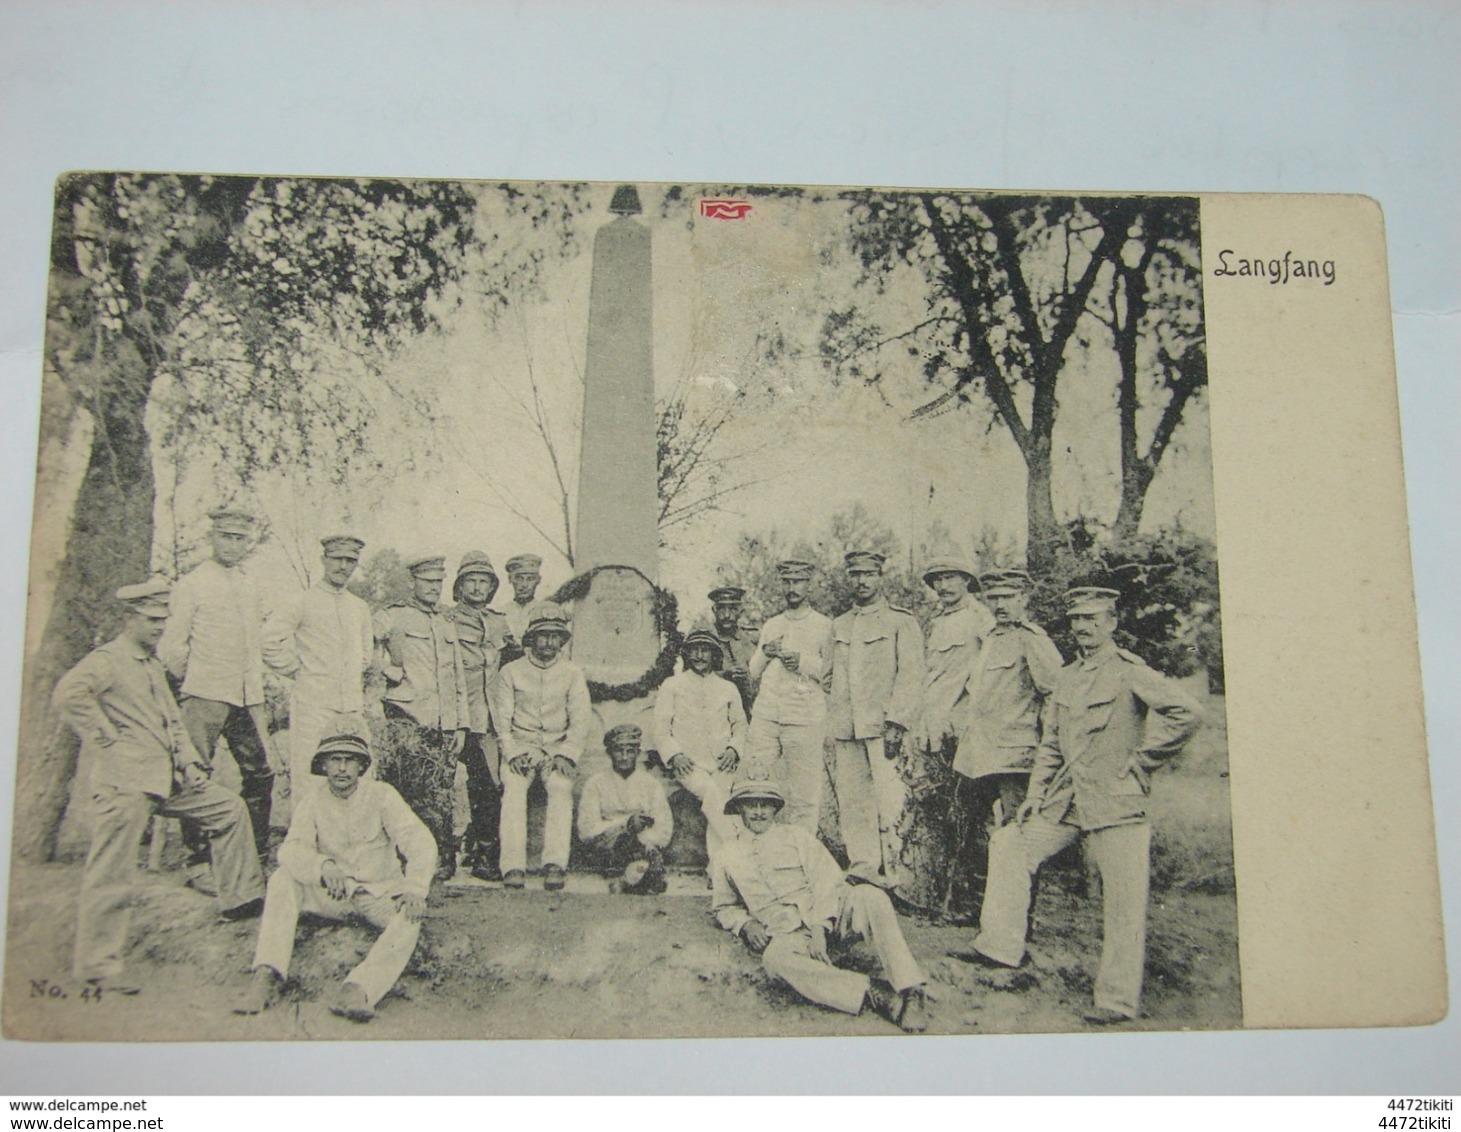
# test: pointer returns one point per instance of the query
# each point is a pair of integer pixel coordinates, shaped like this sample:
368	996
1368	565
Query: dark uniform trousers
205	721
484	799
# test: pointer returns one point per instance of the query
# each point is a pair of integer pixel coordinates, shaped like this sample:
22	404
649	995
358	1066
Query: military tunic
482	635
736	652
425	703
789	723
118	702
1110	721
956	639
877	679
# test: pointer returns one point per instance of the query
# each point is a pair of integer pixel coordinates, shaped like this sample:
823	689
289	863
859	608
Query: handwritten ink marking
1276	270
724	209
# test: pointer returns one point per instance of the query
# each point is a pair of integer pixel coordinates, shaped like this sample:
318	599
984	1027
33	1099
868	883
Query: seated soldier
544	706
781	891
342	856
699	730
623	816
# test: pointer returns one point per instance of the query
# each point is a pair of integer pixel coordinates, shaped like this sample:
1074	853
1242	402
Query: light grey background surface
1334	97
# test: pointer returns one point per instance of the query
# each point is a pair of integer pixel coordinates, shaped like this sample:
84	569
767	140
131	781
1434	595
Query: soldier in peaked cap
546	715
482	636
524	573
624	817
118	702
1013	678
877	682
789	723
700	731
342	857
214	647
1110	723
425	701
323	640
778	889
737	641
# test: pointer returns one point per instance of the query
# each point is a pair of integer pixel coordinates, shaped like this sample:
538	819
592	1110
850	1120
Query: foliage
753	566
1018	292
1170	609
382	579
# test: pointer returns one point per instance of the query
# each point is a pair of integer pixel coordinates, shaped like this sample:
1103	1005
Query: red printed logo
725	209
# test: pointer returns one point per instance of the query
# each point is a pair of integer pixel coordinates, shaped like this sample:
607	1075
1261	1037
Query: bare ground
589	964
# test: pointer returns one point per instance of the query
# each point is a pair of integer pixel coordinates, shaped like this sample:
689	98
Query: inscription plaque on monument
615	637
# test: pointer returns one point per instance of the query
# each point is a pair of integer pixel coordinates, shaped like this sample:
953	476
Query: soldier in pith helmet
482	636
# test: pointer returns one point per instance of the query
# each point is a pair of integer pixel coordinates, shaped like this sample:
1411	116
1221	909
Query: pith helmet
753	792
948	566
352	745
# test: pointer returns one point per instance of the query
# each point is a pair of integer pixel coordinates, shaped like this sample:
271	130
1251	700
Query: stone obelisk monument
618	494
615	637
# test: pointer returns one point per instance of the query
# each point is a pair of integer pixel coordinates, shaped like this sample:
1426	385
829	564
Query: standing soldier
481	635
425	703
546	716
700	731
877	679
523	574
142	762
213	646
325	642
737	645
1110	723
785	741
1013	678
955	639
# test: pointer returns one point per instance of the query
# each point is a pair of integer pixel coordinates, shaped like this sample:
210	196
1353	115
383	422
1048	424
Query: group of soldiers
1049	753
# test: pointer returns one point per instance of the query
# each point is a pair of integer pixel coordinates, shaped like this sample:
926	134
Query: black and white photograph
470	609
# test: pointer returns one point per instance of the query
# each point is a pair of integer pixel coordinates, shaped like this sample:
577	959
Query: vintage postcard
538	610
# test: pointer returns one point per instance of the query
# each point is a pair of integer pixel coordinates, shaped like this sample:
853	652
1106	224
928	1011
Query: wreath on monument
666	622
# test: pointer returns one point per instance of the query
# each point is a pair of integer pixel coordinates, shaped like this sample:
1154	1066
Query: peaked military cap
232	520
864	559
428	566
546	617
476	562
524	564
342	546
794	569
352	745
950	565
727	595
151	598
753	792
1004	583
623	733
1090	599
704	637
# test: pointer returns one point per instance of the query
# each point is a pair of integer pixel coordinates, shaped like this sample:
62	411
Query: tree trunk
109	545
1044	536
1135	479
